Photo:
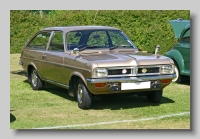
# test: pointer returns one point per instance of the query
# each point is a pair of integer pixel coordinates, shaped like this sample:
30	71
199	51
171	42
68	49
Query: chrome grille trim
116	69
154	70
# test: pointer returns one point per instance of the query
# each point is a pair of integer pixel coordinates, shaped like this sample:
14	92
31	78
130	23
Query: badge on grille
124	71
144	70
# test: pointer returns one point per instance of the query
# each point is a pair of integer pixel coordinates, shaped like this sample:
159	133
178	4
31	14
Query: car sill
56	83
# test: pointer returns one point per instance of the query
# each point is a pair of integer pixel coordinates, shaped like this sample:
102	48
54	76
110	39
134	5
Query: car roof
71	28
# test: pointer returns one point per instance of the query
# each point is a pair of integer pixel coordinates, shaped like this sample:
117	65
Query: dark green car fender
176	56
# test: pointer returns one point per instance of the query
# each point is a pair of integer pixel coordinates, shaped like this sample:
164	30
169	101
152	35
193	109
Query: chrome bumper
131	79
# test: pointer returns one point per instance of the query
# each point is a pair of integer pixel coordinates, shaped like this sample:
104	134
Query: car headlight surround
166	69
100	72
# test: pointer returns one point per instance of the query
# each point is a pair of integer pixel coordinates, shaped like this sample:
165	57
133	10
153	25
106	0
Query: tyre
84	98
36	82
179	78
155	96
71	90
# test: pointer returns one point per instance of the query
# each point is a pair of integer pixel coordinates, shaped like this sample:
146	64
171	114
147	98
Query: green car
180	53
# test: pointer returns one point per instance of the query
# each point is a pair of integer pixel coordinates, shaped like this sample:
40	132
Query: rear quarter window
40	41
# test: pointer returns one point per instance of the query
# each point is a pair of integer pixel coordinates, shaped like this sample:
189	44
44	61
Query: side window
56	43
98	39
186	36
40	41
73	39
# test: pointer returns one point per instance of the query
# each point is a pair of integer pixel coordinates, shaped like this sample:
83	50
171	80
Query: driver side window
73	39
56	43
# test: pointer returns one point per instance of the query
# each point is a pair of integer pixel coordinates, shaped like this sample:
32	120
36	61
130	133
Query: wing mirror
76	50
157	49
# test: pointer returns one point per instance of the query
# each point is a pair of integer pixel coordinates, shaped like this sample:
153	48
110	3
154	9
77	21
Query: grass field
54	108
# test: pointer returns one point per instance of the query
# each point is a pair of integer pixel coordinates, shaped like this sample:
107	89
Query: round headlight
166	69
100	72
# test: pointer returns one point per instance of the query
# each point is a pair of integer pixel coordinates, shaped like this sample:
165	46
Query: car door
184	49
52	59
35	49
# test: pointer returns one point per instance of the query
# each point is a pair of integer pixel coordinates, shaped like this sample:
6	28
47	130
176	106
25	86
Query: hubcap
177	74
34	78
80	94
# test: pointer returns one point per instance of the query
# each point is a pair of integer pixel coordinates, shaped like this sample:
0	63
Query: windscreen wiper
83	47
113	47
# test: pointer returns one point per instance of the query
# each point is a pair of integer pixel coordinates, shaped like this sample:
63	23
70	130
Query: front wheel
36	82
155	96
84	98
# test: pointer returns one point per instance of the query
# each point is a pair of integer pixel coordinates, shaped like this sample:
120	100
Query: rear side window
40	41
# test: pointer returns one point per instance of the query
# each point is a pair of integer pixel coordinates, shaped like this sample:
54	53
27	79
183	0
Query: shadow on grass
20	72
55	90
12	117
126	102
108	102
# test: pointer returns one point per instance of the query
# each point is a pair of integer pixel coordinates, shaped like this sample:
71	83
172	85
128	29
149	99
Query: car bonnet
178	26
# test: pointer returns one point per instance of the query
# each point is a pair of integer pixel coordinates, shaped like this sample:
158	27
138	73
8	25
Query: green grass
54	107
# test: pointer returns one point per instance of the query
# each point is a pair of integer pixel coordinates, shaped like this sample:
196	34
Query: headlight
100	72
167	69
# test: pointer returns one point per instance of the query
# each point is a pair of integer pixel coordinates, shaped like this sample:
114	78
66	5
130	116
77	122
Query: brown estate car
92	61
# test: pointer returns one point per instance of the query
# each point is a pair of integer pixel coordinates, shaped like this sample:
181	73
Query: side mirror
75	50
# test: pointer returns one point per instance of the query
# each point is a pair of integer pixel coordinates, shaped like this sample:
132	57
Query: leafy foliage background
146	28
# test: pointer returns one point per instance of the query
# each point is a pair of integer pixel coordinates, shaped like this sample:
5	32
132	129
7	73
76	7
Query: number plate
138	85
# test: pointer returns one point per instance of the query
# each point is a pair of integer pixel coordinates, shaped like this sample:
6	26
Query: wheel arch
29	67
176	56
73	80
76	75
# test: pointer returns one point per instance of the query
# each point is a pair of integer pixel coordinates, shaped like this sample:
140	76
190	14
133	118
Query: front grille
149	70
118	72
133	71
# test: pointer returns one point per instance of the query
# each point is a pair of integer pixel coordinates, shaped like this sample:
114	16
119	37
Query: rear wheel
155	96
36	82
84	98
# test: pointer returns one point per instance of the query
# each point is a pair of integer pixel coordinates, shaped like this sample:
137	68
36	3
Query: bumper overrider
132	83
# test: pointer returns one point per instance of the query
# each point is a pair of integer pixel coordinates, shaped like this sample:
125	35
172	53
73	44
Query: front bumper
114	85
131	79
